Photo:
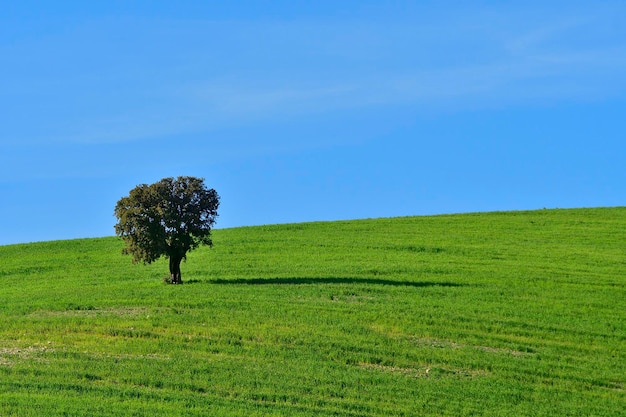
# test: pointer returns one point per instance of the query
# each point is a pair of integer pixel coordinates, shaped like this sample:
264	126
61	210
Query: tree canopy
168	218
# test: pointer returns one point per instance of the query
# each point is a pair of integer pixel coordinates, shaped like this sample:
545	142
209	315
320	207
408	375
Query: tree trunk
175	276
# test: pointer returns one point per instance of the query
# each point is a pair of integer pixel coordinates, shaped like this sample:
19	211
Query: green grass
492	314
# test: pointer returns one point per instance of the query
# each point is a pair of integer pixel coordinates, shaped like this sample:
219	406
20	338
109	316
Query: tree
168	218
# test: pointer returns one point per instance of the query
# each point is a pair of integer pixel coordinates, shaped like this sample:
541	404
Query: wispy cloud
534	60
276	70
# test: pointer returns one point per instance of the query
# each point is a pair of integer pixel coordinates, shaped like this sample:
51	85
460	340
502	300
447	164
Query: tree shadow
326	280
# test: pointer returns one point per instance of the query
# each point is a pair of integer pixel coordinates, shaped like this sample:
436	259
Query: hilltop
508	313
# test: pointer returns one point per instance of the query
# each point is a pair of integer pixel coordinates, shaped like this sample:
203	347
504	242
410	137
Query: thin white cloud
584	74
273	71
234	101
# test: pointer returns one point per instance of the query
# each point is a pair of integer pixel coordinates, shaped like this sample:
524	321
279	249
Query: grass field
489	314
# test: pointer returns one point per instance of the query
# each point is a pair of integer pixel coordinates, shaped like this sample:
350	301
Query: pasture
484	314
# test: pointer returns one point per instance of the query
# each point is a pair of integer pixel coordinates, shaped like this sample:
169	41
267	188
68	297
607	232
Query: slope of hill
512	313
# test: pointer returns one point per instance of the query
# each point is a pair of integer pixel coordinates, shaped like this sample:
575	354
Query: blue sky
303	111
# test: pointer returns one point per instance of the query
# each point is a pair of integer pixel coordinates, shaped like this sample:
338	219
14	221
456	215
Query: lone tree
168	218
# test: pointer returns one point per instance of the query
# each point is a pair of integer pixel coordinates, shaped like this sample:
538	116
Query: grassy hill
494	314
